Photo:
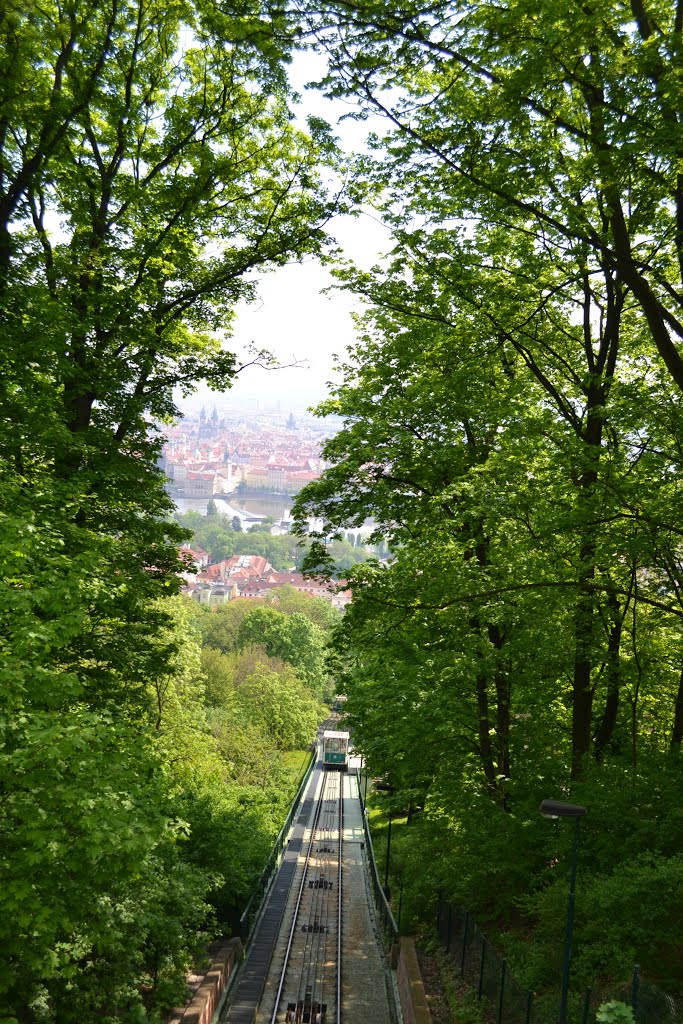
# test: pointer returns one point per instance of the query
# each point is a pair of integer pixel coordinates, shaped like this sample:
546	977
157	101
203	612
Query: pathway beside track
367	994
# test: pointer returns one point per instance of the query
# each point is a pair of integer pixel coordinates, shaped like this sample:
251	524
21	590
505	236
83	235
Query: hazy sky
292	318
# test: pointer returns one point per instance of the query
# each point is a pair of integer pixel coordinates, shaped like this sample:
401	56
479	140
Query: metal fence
486	972
389	927
481	967
650	1004
252	910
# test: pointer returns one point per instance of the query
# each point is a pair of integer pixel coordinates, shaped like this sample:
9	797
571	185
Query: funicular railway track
309	988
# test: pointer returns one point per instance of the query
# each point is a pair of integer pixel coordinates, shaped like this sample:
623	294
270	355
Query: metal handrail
266	877
340	873
380	897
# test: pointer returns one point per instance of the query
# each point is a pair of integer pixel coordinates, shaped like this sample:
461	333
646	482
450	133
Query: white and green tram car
335	750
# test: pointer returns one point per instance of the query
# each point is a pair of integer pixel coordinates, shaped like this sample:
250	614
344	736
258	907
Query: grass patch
295	763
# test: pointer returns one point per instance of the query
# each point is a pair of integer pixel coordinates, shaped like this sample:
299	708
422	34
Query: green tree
511	423
251	760
525	156
262	527
223	673
217	535
219	676
563	141
148	165
221	628
229	803
317	609
334	557
283	705
469	431
293	638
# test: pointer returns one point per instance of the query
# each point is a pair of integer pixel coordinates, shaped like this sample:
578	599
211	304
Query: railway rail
309	990
314	954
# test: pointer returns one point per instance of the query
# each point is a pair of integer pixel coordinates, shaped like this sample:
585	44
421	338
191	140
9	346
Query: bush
630	915
615	1012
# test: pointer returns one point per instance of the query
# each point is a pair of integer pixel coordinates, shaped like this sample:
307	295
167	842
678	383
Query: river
276	505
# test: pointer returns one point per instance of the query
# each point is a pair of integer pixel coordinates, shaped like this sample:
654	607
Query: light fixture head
558	809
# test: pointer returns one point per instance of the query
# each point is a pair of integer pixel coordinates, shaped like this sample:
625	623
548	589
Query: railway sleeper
316	928
319	883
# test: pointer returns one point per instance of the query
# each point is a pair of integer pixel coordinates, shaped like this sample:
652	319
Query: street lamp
386	868
557	809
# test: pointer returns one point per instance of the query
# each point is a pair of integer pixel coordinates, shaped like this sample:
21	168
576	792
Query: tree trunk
494	756
484	723
677	731
502	686
608	721
582	692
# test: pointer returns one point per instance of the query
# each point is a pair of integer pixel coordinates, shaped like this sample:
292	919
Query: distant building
252	576
194	555
241	567
211	595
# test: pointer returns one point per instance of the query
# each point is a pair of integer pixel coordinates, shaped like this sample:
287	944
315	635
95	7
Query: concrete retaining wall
201	1008
414	1006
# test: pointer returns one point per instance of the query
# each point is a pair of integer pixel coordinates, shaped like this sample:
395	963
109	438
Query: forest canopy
512	422
149	169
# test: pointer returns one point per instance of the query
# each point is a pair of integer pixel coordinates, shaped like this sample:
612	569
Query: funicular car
335	749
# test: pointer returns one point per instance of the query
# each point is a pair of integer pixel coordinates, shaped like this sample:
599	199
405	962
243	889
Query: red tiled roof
211	572
252	565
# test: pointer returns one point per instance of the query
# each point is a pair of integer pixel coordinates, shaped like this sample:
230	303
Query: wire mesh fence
484	970
650	1004
477	963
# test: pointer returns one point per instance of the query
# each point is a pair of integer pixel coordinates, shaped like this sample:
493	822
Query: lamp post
386	868
557	809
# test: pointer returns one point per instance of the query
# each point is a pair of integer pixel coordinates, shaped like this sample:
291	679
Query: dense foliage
288	628
148	166
513	421
223	723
